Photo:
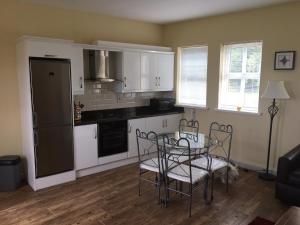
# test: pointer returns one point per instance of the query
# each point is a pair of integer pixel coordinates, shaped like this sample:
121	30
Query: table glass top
198	142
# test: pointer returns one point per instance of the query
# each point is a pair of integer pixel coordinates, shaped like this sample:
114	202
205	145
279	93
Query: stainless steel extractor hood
100	65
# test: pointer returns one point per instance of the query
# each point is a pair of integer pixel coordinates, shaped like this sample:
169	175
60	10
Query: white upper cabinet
149	79
157	71
77	71
165	71
131	71
49	48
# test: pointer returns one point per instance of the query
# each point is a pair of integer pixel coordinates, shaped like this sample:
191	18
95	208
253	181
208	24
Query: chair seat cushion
152	165
216	163
294	178
182	173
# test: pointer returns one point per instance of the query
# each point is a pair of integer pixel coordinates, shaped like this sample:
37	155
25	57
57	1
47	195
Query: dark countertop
109	115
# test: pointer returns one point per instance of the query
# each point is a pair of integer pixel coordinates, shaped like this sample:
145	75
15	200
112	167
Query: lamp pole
273	110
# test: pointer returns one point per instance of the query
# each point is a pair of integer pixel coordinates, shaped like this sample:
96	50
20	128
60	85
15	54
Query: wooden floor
111	198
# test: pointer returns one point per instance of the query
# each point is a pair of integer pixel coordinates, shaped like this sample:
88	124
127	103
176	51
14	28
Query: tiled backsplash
106	98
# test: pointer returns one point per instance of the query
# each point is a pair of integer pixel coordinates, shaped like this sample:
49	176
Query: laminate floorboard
111	198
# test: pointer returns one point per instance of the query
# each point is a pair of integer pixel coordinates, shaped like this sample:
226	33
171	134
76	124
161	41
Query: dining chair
184	172
220	136
150	156
189	129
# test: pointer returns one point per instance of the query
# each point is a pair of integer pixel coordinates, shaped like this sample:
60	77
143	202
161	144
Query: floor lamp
274	90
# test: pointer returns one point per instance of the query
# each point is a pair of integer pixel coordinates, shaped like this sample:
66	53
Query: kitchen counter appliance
112	138
162	104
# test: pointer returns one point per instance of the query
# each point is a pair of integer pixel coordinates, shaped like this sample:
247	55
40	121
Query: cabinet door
132	142
165	71
49	49
131	71
156	124
149	79
86	146
172	123
77	71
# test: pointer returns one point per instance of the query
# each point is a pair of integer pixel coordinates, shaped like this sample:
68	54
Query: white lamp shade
275	90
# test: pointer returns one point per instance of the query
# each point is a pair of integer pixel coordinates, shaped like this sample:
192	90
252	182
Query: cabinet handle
129	129
96	133
163	123
50	56
81	85
158	81
125	80
166	122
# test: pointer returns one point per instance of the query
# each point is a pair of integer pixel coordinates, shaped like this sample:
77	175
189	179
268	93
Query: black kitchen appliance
162	103
52	115
112	138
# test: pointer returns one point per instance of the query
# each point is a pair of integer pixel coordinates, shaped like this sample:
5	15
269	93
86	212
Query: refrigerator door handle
34	119
35	138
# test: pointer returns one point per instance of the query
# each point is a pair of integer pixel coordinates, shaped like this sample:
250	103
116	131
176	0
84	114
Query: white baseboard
108	166
252	167
44	182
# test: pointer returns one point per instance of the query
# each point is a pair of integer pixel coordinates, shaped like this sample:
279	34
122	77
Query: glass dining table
199	143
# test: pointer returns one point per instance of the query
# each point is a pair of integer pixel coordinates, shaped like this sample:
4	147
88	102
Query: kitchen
120	87
85	83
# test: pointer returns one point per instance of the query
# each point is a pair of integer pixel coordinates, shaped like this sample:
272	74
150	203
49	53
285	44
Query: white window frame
243	76
178	86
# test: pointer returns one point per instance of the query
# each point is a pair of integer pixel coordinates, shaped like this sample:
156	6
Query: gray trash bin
10	172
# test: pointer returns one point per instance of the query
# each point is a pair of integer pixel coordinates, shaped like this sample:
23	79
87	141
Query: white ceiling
160	11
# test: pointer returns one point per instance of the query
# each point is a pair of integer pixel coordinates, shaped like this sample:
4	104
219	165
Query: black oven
112	138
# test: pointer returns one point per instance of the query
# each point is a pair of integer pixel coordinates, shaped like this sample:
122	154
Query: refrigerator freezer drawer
54	150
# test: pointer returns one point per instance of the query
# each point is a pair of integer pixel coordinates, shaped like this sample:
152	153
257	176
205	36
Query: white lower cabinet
86	146
132	143
157	124
163	124
171	122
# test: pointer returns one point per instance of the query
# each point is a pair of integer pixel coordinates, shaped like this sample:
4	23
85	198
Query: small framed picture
285	60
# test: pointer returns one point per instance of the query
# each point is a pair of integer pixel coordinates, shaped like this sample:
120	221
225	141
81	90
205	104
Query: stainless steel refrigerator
51	94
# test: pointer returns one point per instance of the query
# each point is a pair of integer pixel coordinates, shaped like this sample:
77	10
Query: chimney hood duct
99	61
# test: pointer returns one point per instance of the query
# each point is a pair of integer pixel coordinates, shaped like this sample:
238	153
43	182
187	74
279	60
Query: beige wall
278	28
18	18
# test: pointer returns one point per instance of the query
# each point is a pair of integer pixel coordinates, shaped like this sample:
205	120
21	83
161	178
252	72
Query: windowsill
239	112
203	108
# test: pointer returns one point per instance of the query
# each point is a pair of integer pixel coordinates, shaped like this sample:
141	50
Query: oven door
112	138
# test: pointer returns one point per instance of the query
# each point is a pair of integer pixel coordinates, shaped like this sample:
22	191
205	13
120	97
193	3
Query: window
240	77
192	76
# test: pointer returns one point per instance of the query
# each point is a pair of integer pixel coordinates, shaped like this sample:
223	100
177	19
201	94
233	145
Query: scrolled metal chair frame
228	131
172	143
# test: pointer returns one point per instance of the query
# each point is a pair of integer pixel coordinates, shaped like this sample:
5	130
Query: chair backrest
147	143
174	149
220	136
189	129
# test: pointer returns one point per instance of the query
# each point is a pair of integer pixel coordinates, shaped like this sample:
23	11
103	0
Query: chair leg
180	188
190	201
212	187
206	189
140	184
159	192
227	183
